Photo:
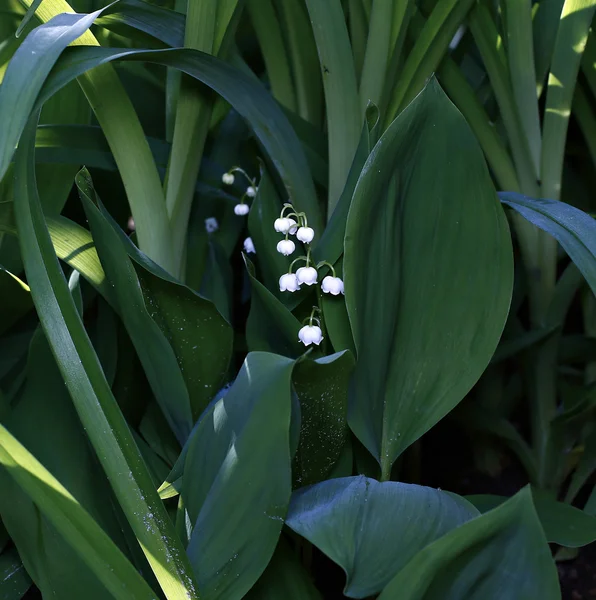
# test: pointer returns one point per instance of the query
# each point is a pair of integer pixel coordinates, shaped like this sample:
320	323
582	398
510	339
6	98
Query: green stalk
302	52
520	52
463	96
358	22
193	114
120	124
341	92
376	58
266	25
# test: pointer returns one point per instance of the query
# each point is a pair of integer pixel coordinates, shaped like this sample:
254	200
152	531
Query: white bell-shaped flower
284	225
286	247
332	285
251	191
305	234
307	275
310	334
249	247
228	178
241	209
288	283
211	225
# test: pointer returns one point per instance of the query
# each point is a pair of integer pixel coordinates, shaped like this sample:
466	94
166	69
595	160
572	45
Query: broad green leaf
572	35
270	325
373	529
571	227
344	118
428	275
249	98
285	578
14	581
563	524
502	554
152	346
240	454
97	408
322	389
72	521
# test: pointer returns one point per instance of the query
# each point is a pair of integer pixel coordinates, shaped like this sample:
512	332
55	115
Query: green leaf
545	26
112	107
152	346
341	91
285	578
241	451
249	98
520	52
428	275
304	62
372	529
159	22
90	392
571	227
502	554
188	321
572	35
270	326
14	581
264	210
45	421
270	37
427	52
322	389
31	63
563	524
72	521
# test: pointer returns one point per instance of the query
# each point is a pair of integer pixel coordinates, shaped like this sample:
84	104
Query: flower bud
249	247
286	247
211	225
305	234
241	209
251	191
288	283
310	334
332	285
228	178
307	275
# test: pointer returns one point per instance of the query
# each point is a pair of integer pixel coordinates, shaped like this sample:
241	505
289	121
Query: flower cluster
228	178
297	224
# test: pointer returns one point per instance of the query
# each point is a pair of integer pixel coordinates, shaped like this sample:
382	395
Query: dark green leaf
240	454
373	529
571	227
14	581
502	554
428	275
284	578
270	326
563	524
322	389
